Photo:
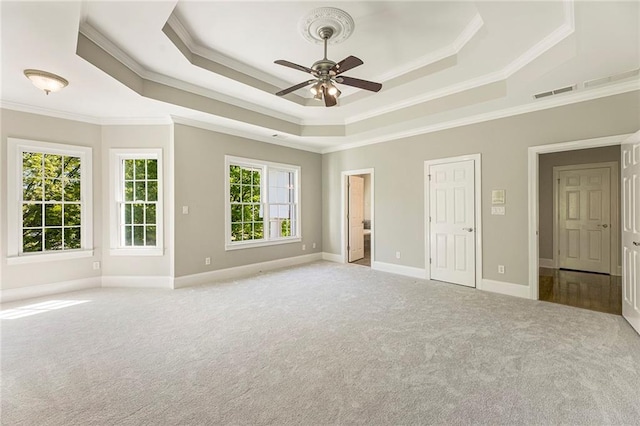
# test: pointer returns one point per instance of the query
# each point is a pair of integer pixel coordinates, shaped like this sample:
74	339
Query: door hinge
429	218
429	177
348	248
430	261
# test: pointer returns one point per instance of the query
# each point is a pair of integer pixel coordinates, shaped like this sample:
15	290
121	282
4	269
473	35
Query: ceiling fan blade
346	64
294	66
362	84
329	100
296	87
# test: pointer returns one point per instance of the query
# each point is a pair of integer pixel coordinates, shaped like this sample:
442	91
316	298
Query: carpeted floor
317	344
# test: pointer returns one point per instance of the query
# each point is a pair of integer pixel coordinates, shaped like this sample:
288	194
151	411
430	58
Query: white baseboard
546	263
408	271
137	282
331	257
12	294
239	271
509	289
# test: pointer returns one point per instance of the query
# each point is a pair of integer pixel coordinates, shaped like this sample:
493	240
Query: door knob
636	243
604	226
468	229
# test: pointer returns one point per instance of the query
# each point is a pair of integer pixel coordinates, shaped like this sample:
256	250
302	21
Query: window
137	205
262	203
49	201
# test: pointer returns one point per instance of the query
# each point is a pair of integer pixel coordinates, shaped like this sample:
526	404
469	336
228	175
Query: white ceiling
441	63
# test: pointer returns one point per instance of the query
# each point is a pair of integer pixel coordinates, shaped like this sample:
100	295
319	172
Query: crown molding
577	97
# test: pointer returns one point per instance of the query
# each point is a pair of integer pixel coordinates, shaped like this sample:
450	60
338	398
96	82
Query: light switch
185	209
498	210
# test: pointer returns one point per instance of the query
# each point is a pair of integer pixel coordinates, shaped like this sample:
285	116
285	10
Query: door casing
344	181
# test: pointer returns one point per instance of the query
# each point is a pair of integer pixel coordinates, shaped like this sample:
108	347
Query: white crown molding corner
245	270
13	294
108	46
506	288
14	106
120	281
407	271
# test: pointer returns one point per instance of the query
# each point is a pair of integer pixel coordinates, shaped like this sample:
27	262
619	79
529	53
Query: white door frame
533	154
477	164
614	190
344	181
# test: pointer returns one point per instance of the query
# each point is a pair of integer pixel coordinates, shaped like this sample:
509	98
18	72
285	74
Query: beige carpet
317	344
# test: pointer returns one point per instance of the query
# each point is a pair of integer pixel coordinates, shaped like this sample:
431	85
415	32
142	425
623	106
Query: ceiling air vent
555	92
612	78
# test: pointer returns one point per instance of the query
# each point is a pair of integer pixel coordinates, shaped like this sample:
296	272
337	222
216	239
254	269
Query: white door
356	218
631	233
584	222
452	222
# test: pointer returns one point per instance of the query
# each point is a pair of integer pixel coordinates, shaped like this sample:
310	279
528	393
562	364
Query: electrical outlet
501	269
207	261
314	245
304	247
185	209
397	255
96	265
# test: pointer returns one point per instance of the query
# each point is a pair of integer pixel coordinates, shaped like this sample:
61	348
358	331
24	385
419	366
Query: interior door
452	222
631	233
356	218
584	222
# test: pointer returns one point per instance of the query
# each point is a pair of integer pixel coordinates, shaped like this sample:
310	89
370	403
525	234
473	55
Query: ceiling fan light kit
325	24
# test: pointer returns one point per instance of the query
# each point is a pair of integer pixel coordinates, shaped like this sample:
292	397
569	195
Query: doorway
358	229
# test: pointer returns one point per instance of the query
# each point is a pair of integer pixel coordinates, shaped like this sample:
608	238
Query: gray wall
503	143
546	163
199	184
47	129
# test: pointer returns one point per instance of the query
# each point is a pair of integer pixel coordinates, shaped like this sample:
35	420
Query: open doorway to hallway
359	217
579	228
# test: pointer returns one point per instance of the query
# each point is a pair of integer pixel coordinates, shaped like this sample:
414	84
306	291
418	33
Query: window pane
247	213
255	194
53	215
236	213
31	240
53	190
258	229
53	238
128	191
234	194
72	215
32	188
72	238
273	194
285	228
72	167
151	214
141	188
127	213
72	190
31	215
140	171
152	190
138	235
257	213
128	169
234	174
256	177
246	193
52	166
151	236
138	213
32	164
246	177
128	234
236	232
247	231
152	169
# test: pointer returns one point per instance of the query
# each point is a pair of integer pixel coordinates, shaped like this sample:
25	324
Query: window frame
265	166
116	172
15	150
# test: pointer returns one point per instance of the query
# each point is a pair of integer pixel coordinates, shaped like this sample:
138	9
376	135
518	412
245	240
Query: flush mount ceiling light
46	81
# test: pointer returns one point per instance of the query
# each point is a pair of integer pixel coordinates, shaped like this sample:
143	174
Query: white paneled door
584	219
631	233
356	218
452	222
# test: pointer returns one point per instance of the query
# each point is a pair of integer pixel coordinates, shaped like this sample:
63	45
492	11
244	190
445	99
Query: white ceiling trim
108	46
567	99
454	48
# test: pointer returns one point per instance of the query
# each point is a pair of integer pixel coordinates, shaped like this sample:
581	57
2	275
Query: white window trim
15	149
264	165
116	155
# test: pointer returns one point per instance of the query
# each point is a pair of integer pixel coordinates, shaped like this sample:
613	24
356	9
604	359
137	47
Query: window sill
245	245
136	252
48	257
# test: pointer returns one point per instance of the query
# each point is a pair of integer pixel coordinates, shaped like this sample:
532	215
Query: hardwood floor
596	292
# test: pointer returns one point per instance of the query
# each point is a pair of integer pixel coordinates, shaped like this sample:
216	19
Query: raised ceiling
210	64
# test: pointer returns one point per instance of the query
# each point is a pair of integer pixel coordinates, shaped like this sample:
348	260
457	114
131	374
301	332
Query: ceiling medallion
326	17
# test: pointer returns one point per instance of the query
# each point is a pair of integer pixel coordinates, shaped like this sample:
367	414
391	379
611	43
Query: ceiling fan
327	73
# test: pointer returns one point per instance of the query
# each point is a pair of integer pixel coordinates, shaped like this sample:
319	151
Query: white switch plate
207	261
185	209
304	247
96	265
498	210
397	255
314	245
501	269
